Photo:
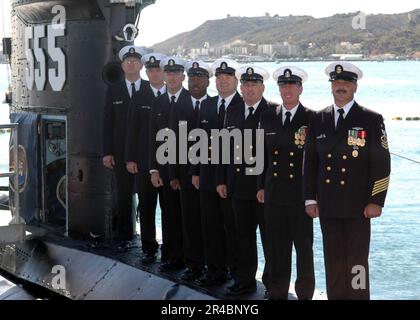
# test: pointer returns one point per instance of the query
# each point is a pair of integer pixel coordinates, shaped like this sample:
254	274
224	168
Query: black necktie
222	112
340	120
251	111
133	89
173	99
196	111
159	93
286	123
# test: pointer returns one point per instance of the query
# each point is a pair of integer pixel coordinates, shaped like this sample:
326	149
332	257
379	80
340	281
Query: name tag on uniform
117	102
270	133
145	107
232	127
321	136
204	121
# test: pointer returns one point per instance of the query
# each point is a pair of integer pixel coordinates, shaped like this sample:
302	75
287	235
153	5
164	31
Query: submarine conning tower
63	55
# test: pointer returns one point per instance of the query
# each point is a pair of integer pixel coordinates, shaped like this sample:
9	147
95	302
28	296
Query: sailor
346	177
162	110
280	189
218	224
186	114
114	136
137	153
237	181
154	72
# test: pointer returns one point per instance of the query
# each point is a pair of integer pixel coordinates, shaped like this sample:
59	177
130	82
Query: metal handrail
15	173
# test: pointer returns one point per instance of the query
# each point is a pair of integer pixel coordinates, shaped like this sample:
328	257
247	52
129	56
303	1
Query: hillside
384	33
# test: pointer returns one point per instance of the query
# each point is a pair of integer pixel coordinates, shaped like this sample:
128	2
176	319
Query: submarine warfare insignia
300	136
356	139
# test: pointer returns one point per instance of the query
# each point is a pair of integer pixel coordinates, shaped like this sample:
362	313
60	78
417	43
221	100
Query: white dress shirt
284	110
136	85
155	90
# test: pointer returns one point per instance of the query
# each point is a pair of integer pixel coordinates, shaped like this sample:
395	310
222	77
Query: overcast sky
167	18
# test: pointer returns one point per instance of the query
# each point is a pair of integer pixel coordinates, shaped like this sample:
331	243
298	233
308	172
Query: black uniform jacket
115	120
138	127
282	176
240	185
346	170
183	116
162	118
209	120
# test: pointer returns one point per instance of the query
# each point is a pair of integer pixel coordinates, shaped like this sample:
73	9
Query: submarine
62	56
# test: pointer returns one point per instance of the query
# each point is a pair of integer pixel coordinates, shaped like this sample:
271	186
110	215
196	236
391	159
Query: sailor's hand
222	191
175	184
312	210
195	180
109	161
372	211
132	167
260	196
156	179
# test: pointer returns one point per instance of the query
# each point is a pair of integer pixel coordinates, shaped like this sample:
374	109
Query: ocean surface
393	89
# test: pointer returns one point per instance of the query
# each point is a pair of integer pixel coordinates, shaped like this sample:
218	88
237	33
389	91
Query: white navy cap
225	66
290	74
152	60
173	64
199	69
252	73
131	51
343	70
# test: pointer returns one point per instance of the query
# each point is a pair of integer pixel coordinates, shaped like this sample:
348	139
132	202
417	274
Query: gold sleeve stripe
374	193
382	180
380	186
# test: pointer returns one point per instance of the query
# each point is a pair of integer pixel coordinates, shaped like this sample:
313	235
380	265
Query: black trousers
124	180
288	226
191	225
148	196
171	224
218	235
248	214
346	252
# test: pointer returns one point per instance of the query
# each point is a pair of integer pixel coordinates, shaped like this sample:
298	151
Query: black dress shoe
239	289
191	274
166	266
209	280
148	257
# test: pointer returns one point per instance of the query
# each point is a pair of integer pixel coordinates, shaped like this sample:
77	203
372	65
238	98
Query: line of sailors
210	212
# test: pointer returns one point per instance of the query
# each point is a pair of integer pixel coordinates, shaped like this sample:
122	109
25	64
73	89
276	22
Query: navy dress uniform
242	188
162	113
286	222
137	151
185	114
346	168
217	215
114	136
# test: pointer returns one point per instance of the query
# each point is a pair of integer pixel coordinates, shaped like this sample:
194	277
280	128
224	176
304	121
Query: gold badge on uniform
300	136
356	139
